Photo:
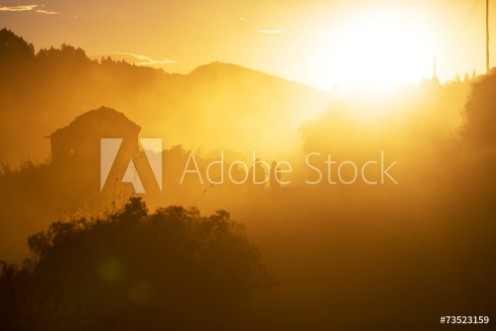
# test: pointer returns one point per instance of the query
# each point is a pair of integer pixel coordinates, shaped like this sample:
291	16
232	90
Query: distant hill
215	106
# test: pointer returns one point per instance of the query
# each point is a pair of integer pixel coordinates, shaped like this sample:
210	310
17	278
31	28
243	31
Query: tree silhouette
480	114
173	269
13	48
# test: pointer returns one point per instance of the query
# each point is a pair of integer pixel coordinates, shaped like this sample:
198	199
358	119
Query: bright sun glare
375	51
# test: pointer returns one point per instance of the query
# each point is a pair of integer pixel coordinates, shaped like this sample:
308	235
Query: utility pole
487	36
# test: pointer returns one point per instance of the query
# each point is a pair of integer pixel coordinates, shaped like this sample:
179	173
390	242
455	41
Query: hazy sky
320	43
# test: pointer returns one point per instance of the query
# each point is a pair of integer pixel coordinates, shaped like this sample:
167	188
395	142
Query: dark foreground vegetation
170	270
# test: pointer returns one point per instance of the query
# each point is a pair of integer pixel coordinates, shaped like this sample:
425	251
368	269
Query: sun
375	50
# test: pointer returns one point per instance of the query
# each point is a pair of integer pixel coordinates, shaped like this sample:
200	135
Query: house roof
102	120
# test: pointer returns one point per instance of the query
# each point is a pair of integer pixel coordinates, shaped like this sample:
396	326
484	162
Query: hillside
254	110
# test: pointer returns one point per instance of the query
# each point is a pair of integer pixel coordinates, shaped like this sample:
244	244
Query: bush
173	269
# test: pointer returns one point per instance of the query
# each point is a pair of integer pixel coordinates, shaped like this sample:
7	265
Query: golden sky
320	43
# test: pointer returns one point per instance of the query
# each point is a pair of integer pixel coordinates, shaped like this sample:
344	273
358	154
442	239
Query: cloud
28	8
47	12
144	60
18	8
271	31
141	60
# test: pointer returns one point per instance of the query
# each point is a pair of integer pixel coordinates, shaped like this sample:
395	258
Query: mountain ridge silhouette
45	89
